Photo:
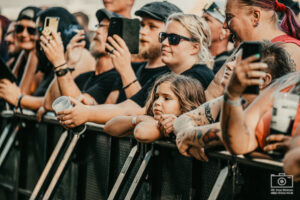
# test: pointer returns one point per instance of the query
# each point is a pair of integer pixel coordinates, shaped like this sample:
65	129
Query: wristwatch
62	72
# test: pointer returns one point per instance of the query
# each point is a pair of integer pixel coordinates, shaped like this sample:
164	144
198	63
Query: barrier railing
139	166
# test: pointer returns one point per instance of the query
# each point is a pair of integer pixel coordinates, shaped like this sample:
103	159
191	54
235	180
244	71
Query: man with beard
150	50
91	87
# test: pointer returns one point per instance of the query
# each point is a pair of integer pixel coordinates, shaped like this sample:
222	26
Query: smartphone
250	49
51	23
128	30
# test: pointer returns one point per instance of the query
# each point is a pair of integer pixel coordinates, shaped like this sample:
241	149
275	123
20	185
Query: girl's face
25	34
174	55
238	21
165	101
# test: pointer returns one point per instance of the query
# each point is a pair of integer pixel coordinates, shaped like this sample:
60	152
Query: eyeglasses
101	25
173	38
20	28
213	7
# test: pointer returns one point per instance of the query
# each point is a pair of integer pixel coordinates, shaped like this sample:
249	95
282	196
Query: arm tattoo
210	136
208	114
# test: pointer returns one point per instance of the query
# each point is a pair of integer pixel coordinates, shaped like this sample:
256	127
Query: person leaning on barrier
251	20
170	96
214	15
246	131
203	122
184	45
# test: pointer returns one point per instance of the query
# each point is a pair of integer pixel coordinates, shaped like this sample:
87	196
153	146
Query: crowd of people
188	85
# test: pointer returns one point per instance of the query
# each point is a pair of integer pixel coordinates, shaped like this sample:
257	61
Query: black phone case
5	72
250	49
128	29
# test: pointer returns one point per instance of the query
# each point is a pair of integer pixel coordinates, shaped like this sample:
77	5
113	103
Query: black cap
159	10
103	13
29	13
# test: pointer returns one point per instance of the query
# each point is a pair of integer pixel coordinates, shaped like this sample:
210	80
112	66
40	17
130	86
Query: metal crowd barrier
143	172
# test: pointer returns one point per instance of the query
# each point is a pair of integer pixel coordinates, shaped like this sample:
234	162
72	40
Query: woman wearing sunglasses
184	46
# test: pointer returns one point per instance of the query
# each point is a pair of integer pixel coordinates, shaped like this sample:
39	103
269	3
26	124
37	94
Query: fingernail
261	81
267	139
264	74
257	55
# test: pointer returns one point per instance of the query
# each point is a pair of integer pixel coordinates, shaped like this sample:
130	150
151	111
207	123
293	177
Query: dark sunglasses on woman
20	28
173	38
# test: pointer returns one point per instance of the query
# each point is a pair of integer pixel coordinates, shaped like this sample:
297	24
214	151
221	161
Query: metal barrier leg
9	144
61	166
48	166
4	134
139	175
128	164
219	184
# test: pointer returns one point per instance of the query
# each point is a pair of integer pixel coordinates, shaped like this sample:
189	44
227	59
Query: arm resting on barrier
147	131
100	114
121	126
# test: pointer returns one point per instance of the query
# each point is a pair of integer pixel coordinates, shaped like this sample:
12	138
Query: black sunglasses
173	38
20	28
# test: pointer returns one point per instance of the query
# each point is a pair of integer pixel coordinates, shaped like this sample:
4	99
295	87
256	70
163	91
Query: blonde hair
199	31
188	90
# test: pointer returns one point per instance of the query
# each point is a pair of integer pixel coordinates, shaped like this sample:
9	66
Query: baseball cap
29	13
103	13
216	9
159	10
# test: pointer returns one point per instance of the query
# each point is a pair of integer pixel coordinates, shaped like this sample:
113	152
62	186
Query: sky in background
11	8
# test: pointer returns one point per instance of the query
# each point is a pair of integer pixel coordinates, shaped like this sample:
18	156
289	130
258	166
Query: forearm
215	88
51	94
105	112
147	131
234	131
131	87
31	102
119	126
67	86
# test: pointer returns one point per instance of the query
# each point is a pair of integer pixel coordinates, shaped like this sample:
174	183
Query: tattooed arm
203	115
192	141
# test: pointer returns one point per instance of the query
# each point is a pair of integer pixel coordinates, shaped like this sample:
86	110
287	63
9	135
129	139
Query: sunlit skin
214	25
165	102
25	40
174	56
238	21
121	7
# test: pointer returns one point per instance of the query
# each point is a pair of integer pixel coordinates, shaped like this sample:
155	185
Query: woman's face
165	101
174	55
25	34
238	21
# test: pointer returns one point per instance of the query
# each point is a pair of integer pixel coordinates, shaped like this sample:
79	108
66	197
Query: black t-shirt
199	71
98	86
220	60
143	76
43	86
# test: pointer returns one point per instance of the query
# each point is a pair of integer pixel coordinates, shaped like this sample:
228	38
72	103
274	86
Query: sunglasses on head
173	38
20	28
213	7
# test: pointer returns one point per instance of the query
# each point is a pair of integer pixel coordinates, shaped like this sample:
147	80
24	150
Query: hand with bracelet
245	73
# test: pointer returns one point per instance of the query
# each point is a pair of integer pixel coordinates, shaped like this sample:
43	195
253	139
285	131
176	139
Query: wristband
60	65
20	97
130	84
133	122
231	102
